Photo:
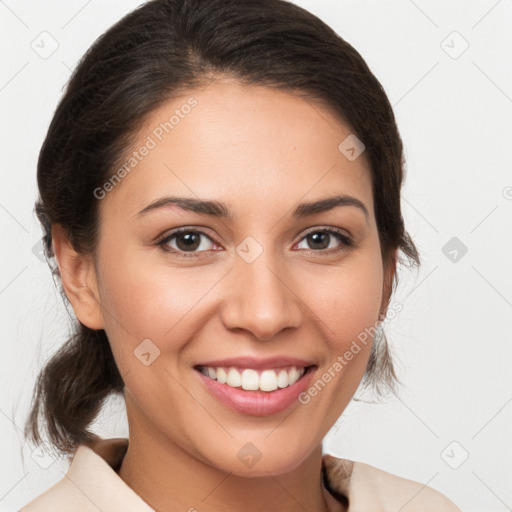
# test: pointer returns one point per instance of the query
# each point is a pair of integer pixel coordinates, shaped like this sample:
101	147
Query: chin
261	459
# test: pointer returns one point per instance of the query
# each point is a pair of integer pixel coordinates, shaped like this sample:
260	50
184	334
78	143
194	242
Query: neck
170	478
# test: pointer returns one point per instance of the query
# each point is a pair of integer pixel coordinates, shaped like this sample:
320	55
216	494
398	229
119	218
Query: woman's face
261	283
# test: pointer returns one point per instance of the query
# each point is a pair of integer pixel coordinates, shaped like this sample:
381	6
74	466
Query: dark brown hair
151	55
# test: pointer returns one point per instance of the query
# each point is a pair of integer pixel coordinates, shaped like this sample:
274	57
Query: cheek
348	306
143	300
348	301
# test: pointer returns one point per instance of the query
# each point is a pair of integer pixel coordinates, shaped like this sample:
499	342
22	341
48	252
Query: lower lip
258	403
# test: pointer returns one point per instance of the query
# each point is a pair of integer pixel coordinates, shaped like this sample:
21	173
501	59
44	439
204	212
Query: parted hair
154	53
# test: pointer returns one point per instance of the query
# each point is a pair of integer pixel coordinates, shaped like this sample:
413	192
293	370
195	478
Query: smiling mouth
250	379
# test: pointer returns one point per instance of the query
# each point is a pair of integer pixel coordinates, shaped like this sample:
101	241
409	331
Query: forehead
249	145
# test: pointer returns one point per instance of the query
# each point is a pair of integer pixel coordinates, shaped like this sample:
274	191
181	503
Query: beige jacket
92	484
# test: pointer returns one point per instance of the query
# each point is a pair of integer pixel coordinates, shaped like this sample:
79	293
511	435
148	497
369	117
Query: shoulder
91	483
403	494
370	488
59	498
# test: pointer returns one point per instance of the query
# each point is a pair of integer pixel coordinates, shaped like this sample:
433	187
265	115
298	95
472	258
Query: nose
261	299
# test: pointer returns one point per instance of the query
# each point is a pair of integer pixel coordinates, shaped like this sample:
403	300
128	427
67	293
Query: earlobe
79	279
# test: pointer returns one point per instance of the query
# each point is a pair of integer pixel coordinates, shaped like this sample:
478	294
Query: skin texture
261	151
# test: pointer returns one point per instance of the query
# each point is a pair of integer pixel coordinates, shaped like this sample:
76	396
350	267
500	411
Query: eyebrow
219	209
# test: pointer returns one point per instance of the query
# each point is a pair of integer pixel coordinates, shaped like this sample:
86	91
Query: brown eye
319	240
187	241
325	239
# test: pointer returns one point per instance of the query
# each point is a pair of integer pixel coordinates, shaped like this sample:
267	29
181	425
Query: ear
79	279
387	288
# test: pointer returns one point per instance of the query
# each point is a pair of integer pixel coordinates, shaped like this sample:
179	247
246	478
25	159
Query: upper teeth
252	380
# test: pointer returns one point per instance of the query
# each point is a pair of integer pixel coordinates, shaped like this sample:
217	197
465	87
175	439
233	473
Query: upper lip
258	363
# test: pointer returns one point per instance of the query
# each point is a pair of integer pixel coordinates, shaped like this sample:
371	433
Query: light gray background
453	337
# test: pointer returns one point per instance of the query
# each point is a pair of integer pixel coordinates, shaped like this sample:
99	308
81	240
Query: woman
220	195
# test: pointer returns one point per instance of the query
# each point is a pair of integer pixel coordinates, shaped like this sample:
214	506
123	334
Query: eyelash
347	241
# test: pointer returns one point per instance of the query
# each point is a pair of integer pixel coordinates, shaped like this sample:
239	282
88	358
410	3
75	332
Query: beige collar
92	484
